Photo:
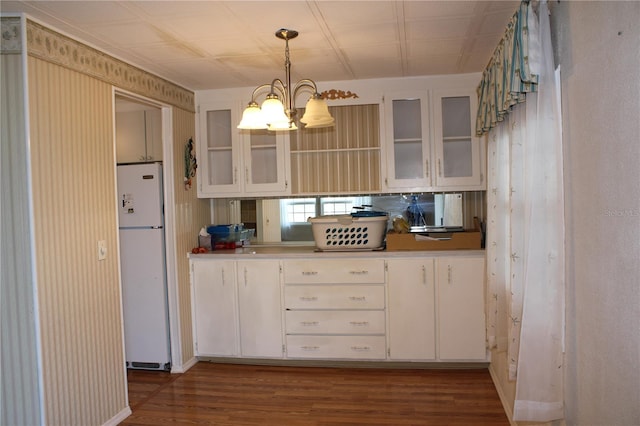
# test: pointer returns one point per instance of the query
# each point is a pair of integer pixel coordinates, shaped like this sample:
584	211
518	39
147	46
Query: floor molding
184	367
118	418
503	399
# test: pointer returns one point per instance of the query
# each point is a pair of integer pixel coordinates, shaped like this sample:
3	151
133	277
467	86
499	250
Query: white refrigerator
143	266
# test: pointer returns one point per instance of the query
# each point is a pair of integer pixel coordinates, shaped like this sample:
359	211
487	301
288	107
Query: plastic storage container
347	232
229	236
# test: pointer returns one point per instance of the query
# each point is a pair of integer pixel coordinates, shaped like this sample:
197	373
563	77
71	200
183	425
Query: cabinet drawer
351	271
334	297
336	347
335	322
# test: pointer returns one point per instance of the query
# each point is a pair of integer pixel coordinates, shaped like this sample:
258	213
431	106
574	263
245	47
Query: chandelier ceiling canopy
278	110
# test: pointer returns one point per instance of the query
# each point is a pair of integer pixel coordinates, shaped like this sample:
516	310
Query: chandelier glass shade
278	111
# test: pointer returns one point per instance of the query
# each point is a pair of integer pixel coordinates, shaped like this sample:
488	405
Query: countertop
306	251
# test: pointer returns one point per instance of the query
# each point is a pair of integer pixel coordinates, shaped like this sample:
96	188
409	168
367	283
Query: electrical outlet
102	250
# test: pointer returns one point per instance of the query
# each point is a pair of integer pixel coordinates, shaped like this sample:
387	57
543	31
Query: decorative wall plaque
338	94
11	41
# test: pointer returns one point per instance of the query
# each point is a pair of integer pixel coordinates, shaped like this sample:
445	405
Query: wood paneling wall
74	204
19	392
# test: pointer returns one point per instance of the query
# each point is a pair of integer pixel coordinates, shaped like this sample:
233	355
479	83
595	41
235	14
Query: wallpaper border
50	46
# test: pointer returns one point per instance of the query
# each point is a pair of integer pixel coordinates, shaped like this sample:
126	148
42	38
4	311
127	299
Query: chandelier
278	110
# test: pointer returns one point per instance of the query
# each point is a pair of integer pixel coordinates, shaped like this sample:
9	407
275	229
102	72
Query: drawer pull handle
309	323
360	348
358	298
359	323
363	272
309	272
310	348
308	298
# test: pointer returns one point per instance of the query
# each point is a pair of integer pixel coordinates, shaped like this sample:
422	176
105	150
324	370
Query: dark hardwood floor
227	394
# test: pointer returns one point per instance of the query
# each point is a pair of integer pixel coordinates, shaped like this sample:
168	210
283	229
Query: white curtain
525	249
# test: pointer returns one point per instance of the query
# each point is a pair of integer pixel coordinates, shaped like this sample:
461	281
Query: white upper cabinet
265	158
441	154
218	148
238	163
459	154
395	136
139	136
408	151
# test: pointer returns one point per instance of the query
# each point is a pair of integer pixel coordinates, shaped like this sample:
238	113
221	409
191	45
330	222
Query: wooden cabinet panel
336	347
461	319
336	271
260	308
412	316
335	322
215	314
334	297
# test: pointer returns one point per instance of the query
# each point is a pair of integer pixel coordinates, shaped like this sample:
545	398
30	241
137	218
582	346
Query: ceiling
217	44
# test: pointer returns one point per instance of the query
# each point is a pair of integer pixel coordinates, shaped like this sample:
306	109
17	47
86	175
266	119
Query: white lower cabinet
215	313
412	318
260	308
335	309
461	319
420	308
336	347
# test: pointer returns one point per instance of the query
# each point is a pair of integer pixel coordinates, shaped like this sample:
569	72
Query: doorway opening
142	131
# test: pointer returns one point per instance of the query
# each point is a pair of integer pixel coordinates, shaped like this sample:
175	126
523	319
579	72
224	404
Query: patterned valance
511	71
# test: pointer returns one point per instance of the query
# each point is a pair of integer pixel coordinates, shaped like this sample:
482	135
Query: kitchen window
294	213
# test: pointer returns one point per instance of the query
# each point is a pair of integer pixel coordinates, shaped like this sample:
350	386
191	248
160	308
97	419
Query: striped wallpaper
191	213
74	203
340	159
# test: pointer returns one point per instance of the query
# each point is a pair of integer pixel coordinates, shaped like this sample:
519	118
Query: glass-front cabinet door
235	163
218	151
265	162
458	152
407	141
